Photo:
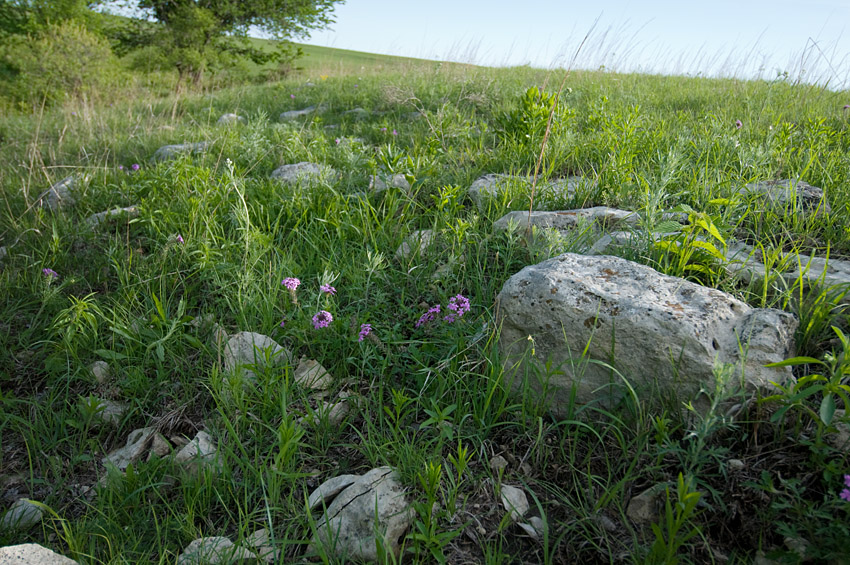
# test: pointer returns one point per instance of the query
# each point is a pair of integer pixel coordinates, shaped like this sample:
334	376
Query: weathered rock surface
260	543
374	503
783	193
658	331
644	508
138	443
310	374
378	184
292	114
111	412
60	194
514	501
600	217
230	119
126	213
491	186
301	172
416	244
168	152
22	515
199	453
249	348
32	554
213	551
100	371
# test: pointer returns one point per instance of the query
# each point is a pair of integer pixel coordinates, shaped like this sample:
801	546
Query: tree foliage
195	33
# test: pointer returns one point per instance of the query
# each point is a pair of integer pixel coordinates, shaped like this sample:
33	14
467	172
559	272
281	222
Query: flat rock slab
213	551
379	184
787	193
311	375
599	217
292	114
168	152
126	213
138	443
246	349
301	172
374	503
494	185
661	333
199	453
515	501
32	554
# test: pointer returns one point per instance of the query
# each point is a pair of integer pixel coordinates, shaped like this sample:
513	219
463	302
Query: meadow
214	237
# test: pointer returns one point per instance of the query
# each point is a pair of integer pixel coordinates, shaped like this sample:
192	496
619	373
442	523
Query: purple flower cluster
50	273
328	289
322	319
459	305
365	330
738	124
180	239
845	494
290	283
428	316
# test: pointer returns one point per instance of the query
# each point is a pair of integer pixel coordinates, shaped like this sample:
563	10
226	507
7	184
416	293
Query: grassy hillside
213	236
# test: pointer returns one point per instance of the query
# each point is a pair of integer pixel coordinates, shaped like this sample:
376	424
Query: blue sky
742	38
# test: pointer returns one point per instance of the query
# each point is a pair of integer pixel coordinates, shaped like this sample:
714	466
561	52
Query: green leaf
796	361
827	408
668	226
108	354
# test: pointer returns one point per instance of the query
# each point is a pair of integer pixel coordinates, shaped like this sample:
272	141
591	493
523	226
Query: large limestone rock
600	217
493	186
168	152
782	194
32	554
301	172
659	332
372	503
249	348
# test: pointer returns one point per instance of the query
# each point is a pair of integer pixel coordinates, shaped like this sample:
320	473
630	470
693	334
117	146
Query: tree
192	33
21	17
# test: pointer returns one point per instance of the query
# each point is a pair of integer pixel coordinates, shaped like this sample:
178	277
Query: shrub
66	60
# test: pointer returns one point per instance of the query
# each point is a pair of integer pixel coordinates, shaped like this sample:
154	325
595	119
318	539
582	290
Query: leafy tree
195	33
21	17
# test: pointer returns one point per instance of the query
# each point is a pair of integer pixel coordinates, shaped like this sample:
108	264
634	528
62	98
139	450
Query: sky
808	39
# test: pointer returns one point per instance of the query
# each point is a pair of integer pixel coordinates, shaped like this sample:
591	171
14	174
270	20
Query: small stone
259	541
534	527
138	443
168	152
199	453
329	489
160	447
310	374
378	184
127	213
32	554
416	244
59	195
213	551
357	113
292	114
303	172
22	515
230	119
111	412
249	349
643	508
514	501
736	464
498	463
100	371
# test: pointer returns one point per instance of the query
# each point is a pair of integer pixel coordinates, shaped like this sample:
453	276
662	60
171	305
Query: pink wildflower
322	319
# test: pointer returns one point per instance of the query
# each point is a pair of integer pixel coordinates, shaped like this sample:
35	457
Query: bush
66	60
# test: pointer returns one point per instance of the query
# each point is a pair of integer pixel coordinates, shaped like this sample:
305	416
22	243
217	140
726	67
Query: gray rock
377	184
498	463
292	114
60	194
329	489
644	508
781	194
736	465
32	554
168	152
534	527
249	348
301	172
213	551
230	119
100	371
374	503
22	515
840	438
416	244
259	541
514	501
357	113
138	444
491	186
659	332
199	453
160	447
111	412
600	217
126	213
310	374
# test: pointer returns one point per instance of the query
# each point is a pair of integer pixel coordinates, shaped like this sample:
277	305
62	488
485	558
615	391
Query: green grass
127	293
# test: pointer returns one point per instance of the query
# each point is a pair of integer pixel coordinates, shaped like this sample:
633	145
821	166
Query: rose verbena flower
291	283
459	305
328	289
428	316
322	319
50	273
365	330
